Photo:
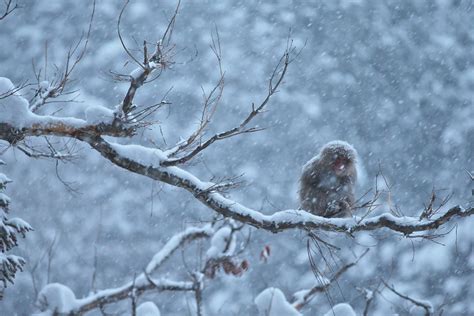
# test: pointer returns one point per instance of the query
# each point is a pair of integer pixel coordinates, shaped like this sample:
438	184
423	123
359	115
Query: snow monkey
328	179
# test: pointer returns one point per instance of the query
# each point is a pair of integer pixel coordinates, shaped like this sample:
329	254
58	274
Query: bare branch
121	38
279	221
275	81
471	176
423	304
211	100
305	296
14	90
47	90
9	8
52	153
157	60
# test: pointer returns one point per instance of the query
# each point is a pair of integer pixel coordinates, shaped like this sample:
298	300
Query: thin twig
8	8
423	304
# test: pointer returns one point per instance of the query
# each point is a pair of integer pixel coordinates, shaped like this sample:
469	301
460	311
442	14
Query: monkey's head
340	157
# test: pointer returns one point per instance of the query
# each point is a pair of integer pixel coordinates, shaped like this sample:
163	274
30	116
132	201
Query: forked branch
275	81
9	8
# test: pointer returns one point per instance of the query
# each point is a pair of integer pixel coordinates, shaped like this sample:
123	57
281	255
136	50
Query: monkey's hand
340	208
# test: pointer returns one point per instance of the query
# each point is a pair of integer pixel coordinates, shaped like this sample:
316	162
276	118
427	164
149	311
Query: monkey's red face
341	166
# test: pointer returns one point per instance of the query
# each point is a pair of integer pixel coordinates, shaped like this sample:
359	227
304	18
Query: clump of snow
222	242
272	302
19	224
136	73
6	85
4	179
4	199
143	155
148	309
14	108
417	311
342	309
172	245
56	297
99	114
44	85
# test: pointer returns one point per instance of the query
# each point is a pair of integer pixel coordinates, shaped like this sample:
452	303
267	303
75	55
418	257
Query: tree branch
275	81
121	155
305	296
423	304
132	158
144	282
8	9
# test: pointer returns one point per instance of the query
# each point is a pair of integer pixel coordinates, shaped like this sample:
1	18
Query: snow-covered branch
18	121
52	297
147	162
150	163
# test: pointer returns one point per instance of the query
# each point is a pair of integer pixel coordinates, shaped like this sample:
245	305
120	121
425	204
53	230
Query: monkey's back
324	194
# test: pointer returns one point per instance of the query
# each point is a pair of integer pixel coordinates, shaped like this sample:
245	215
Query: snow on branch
174	243
134	159
14	126
18	122
279	221
52	297
152	63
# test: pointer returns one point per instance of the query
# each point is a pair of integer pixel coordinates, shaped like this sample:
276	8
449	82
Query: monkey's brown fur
327	182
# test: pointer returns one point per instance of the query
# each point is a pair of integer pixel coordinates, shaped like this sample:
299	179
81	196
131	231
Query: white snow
56	297
4	179
172	245
19	224
342	309
219	242
137	72
148	309
4	199
272	302
99	114
14	108
15	111
140	281
146	156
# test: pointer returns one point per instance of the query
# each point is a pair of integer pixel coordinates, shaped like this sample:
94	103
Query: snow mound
272	302
342	309
56	297
99	114
148	309
14	108
219	243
